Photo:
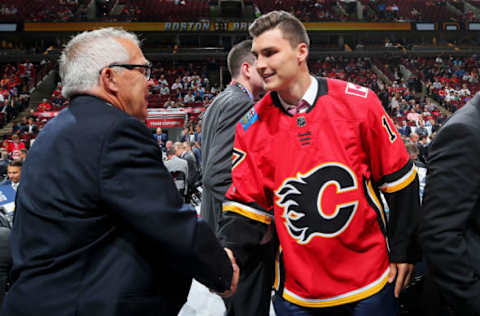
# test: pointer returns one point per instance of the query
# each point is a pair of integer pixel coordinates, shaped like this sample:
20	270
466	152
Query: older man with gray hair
99	226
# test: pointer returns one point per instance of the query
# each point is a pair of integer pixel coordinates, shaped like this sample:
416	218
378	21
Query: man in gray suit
218	129
175	166
218	133
451	209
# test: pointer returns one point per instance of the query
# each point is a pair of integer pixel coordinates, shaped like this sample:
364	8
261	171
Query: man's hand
235	276
403	272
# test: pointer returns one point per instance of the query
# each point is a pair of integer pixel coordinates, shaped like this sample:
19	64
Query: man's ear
246	70
302	52
108	80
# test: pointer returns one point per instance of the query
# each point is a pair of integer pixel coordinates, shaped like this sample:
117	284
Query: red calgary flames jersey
317	174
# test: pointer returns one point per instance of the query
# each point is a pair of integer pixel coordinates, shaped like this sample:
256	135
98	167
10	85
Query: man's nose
261	65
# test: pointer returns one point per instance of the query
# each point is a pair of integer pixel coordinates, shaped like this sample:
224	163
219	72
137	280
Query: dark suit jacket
34	128
193	173
98	228
5	257
451	210
405	130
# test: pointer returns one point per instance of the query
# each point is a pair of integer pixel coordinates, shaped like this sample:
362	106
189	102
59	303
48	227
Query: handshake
235	276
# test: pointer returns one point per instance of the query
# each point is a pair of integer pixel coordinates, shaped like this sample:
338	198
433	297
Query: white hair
87	53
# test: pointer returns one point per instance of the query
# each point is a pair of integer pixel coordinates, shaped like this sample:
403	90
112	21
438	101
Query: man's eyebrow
268	48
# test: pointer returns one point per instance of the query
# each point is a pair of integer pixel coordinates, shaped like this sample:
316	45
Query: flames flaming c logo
318	203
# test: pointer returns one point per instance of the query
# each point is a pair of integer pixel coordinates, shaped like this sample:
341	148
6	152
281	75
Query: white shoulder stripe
399	181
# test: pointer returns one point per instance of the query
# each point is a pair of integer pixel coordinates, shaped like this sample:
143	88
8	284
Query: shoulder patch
249	118
355	89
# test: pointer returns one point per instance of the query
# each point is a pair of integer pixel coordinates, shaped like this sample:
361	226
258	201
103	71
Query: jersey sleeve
248	210
391	167
395	174
248	195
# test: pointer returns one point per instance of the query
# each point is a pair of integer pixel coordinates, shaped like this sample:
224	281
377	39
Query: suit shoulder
232	97
228	98
91	110
252	118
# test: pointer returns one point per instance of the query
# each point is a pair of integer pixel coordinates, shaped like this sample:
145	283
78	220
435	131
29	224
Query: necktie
301	105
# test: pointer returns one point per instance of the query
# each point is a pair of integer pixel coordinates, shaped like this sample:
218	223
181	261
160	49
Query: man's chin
269	86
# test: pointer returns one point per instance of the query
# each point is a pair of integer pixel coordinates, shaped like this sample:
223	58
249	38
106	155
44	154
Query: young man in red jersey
310	159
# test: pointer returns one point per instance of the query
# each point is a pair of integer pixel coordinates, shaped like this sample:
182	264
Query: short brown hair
171	151
412	148
239	54
293	30
15	163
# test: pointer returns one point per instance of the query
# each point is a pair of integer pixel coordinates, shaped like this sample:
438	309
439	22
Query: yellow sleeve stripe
400	183
248	212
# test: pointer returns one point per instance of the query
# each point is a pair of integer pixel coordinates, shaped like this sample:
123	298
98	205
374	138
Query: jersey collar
318	87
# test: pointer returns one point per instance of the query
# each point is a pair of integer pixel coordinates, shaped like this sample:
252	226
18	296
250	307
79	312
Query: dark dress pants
254	289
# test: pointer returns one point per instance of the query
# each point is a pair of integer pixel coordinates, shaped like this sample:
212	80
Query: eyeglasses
146	70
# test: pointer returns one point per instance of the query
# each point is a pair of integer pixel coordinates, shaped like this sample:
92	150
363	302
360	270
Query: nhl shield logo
301	122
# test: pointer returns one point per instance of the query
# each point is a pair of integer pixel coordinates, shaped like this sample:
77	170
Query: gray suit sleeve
218	171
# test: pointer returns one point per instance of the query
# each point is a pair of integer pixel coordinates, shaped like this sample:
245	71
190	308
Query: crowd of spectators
196	10
371	10
15	84
352	69
163	10
43	10
375	10
8	10
407	10
181	86
437	87
451	81
305	10
419	98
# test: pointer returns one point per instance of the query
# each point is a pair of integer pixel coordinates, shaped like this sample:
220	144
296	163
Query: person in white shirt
164	89
465	91
162	80
189	97
177	84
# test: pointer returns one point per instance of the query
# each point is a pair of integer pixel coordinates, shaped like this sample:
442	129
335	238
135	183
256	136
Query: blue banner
7	197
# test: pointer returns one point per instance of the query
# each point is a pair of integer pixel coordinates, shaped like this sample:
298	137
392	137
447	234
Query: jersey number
391	135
